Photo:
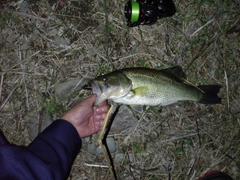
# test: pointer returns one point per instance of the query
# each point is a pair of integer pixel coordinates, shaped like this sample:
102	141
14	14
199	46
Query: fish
139	86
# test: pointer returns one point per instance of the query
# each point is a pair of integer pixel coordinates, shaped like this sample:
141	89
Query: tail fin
210	94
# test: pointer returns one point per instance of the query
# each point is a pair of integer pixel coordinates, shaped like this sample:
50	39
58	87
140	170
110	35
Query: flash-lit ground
45	43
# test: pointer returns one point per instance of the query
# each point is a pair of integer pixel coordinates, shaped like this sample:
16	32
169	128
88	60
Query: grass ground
44	43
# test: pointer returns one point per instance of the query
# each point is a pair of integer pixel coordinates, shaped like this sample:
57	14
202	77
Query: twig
30	16
1	84
180	137
7	98
200	51
23	61
95	165
226	80
199	29
23	69
102	140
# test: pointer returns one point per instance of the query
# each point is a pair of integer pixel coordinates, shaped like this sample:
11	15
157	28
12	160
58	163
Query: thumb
90	100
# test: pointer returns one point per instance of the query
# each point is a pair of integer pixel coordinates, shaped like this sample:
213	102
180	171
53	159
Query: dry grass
58	41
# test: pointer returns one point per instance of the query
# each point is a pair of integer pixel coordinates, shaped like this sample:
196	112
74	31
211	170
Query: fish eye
105	79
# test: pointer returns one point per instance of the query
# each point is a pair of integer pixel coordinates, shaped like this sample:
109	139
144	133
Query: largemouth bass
142	86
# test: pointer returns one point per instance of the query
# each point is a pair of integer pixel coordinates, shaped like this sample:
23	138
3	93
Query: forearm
49	156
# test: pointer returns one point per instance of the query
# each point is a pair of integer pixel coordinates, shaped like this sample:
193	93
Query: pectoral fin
136	107
140	91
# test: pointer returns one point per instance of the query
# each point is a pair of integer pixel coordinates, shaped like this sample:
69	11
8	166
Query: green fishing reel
147	12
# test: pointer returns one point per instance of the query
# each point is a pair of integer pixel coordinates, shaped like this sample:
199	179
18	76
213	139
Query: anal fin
137	107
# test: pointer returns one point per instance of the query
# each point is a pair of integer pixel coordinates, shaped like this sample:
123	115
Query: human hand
86	118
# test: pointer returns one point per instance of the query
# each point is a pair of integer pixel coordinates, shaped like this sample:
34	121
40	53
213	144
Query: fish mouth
99	89
95	88
105	91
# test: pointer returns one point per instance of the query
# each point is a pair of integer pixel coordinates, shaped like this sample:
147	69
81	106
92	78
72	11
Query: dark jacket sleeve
49	156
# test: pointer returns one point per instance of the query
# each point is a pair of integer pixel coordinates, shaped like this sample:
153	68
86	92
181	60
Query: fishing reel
147	12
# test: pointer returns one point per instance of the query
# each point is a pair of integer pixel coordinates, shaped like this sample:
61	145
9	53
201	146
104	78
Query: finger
102	109
100	117
104	103
99	123
90	100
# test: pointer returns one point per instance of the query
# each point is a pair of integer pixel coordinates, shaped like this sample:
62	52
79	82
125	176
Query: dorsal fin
175	72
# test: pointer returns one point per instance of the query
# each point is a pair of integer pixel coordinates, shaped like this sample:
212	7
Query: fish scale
144	86
161	89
